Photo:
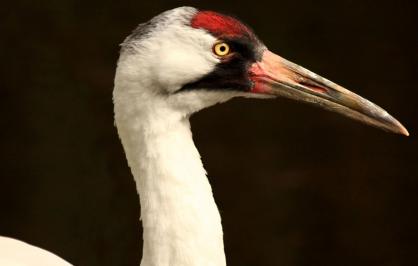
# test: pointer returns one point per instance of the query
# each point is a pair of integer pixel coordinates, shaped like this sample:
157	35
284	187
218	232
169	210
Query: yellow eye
221	49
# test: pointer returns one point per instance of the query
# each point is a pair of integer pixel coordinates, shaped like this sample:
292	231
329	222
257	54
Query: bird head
186	59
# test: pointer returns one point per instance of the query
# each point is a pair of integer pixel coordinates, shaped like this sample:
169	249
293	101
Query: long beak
275	75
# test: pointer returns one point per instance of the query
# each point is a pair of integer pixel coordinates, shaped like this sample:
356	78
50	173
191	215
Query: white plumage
181	222
168	69
18	253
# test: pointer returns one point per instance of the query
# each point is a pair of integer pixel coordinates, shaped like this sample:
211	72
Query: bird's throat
180	219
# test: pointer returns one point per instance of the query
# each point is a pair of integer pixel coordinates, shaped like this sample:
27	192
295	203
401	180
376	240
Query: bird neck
181	222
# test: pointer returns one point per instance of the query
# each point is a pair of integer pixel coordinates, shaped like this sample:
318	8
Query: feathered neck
181	222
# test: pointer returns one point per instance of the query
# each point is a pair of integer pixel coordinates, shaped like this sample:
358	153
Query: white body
17	253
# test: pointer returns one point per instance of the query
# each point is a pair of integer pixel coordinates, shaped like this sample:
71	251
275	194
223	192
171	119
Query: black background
295	185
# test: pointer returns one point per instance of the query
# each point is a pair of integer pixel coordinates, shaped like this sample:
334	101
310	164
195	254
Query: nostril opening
313	86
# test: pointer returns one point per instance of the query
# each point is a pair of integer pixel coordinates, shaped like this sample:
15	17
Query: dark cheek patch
232	72
220	25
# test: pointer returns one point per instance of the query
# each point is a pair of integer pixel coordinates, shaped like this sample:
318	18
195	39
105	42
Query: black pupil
222	48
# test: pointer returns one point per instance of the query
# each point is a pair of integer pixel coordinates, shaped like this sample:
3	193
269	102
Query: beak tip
404	131
400	129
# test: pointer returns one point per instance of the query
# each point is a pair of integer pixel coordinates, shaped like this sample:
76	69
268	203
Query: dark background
295	185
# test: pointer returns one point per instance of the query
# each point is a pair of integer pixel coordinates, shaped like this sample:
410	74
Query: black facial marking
232	72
